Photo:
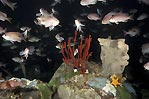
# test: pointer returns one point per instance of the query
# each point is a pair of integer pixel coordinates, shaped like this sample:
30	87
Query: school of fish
48	18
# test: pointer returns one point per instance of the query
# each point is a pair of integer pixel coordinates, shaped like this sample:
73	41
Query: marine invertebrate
76	61
115	81
113	55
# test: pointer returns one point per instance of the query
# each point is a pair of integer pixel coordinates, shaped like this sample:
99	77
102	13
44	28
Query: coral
83	54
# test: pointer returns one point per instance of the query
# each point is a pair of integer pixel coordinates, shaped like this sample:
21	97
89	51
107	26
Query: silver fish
145	48
59	38
93	16
3	17
78	25
142	16
133	11
133	32
6	44
39	52
75	52
13	36
87	2
146	35
55	2
47	21
2	64
34	39
24	53
102	0
146	66
13	47
43	12
10	4
144	1
120	17
58	46
25	30
107	17
27	51
2	30
18	59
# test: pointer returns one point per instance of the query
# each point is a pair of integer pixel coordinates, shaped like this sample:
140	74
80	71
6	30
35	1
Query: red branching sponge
83	53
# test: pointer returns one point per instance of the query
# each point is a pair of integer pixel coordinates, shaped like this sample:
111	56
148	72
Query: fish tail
24	33
24	39
131	17
4	30
9	20
99	12
14	6
3	2
125	32
139	1
21	53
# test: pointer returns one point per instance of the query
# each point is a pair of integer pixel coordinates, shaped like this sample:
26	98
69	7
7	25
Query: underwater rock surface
16	88
92	85
96	83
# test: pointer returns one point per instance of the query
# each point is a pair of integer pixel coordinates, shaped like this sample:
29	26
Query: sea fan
82	56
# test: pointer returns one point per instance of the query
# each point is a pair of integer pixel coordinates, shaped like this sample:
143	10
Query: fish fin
3	2
55	3
54	12
51	28
14	6
21	53
146	35
12	42
4	30
23	69
60	25
105	3
141	59
133	11
125	32
24	40
88	6
25	34
110	24
38	14
36	22
116	23
139	1
83	14
131	17
9	20
99	12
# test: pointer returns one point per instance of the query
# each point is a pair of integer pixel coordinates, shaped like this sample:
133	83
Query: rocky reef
99	81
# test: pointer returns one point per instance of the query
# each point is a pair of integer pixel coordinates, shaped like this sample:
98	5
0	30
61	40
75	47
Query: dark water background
39	68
